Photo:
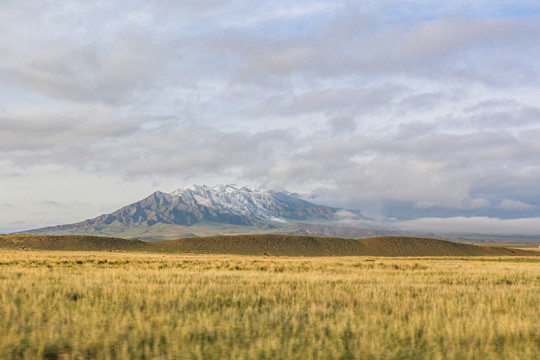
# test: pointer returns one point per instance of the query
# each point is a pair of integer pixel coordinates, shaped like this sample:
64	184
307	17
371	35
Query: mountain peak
254	203
200	204
220	188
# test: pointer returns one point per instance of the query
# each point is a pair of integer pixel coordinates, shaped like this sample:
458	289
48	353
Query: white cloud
479	225
510	204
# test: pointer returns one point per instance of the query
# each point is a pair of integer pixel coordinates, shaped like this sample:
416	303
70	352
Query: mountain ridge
222	209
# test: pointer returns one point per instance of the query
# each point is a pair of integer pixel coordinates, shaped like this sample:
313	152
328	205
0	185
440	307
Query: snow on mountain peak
221	188
241	200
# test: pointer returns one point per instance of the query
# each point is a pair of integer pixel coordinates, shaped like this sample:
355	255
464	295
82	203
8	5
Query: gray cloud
342	124
32	131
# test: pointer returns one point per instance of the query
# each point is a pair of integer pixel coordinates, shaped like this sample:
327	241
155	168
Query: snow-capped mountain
199	206
253	203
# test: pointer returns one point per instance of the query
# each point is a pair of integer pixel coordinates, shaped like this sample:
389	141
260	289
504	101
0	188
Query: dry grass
77	305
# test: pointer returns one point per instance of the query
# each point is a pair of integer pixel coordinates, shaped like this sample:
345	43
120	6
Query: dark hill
279	245
286	245
69	243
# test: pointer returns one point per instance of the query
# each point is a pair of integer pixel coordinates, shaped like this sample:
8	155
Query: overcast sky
424	111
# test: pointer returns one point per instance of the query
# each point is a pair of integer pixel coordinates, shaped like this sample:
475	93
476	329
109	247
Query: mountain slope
253	203
278	245
220	209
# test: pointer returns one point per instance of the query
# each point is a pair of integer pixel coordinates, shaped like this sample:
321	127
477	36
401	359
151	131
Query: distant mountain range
200	210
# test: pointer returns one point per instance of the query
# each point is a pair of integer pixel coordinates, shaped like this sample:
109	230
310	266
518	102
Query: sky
423	114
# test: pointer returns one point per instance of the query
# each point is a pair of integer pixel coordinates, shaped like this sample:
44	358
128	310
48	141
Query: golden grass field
106	305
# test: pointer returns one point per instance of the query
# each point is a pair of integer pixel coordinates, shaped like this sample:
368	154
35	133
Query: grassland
106	305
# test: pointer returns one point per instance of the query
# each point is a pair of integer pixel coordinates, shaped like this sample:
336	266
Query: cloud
479	225
342	124
447	47
510	204
34	131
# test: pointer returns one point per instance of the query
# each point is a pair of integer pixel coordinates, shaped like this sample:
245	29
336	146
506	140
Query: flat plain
114	305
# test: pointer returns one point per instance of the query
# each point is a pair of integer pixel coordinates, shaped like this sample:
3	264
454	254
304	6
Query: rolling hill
277	245
69	243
